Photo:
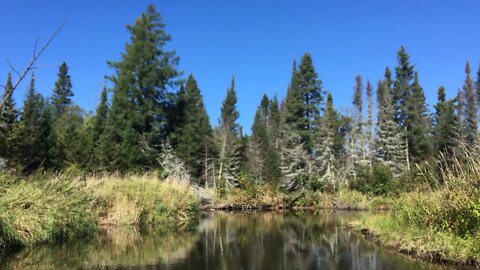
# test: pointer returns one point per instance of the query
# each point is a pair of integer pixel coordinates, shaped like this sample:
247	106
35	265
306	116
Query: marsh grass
442	222
52	208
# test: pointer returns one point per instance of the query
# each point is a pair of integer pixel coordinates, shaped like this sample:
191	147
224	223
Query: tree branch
28	68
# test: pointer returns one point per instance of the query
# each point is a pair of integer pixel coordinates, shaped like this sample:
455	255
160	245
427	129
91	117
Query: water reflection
222	241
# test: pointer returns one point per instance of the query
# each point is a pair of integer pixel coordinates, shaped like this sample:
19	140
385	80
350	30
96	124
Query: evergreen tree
140	85
8	117
418	123
31	138
358	136
193	135
259	147
294	102
470	112
274	122
390	143
61	98
445	135
369	126
229	141
402	86
310	88
294	160
460	104
99	122
325	146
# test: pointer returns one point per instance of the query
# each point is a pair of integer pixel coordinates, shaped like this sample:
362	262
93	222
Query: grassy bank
48	209
439	225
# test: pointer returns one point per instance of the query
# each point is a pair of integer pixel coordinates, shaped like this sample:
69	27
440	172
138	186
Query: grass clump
137	200
43	211
51	208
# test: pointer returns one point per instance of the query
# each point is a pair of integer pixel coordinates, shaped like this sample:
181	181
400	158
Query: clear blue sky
255	40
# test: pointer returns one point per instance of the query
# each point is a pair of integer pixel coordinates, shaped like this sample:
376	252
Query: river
233	241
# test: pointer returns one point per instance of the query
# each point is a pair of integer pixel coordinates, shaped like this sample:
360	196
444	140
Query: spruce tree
99	123
193	135
32	133
418	123
470	108
61	98
445	135
294	102
369	126
142	77
259	147
402	86
229	142
358	136
7	119
310	88
390	149
325	146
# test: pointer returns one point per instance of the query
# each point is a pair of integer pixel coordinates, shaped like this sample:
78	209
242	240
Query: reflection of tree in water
223	241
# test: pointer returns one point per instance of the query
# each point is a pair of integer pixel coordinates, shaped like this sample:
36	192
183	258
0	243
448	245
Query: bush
377	180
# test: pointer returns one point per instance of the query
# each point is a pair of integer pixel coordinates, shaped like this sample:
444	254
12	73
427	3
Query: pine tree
470	108
460	104
61	98
325	146
274	122
259	147
358	136
294	102
369	126
294	160
140	86
229	142
390	143
193	135
8	117
445	135
32	133
97	130
402	86
310	88
418	123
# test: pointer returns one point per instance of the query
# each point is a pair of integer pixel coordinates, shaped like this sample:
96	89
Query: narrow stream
249	241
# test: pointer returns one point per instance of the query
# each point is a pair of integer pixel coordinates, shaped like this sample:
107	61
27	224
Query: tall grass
444	222
63	207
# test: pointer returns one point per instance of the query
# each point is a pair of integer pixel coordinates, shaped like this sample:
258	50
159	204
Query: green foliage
62	93
192	137
140	83
376	180
7	120
32	136
229	141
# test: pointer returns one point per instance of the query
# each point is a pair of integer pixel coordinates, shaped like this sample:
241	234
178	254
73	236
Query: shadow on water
222	241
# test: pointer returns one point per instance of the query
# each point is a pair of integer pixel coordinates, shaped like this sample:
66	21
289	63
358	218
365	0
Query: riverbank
441	226
267	198
41	210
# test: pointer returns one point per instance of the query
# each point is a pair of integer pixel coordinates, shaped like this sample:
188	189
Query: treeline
152	119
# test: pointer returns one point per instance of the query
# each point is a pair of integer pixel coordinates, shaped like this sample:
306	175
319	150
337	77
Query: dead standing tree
30	66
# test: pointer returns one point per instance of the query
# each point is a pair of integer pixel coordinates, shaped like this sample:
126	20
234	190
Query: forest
151	119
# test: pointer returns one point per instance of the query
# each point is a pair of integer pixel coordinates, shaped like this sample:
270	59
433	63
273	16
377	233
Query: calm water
223	241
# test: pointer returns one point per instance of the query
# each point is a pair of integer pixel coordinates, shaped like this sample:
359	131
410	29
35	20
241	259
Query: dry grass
62	207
